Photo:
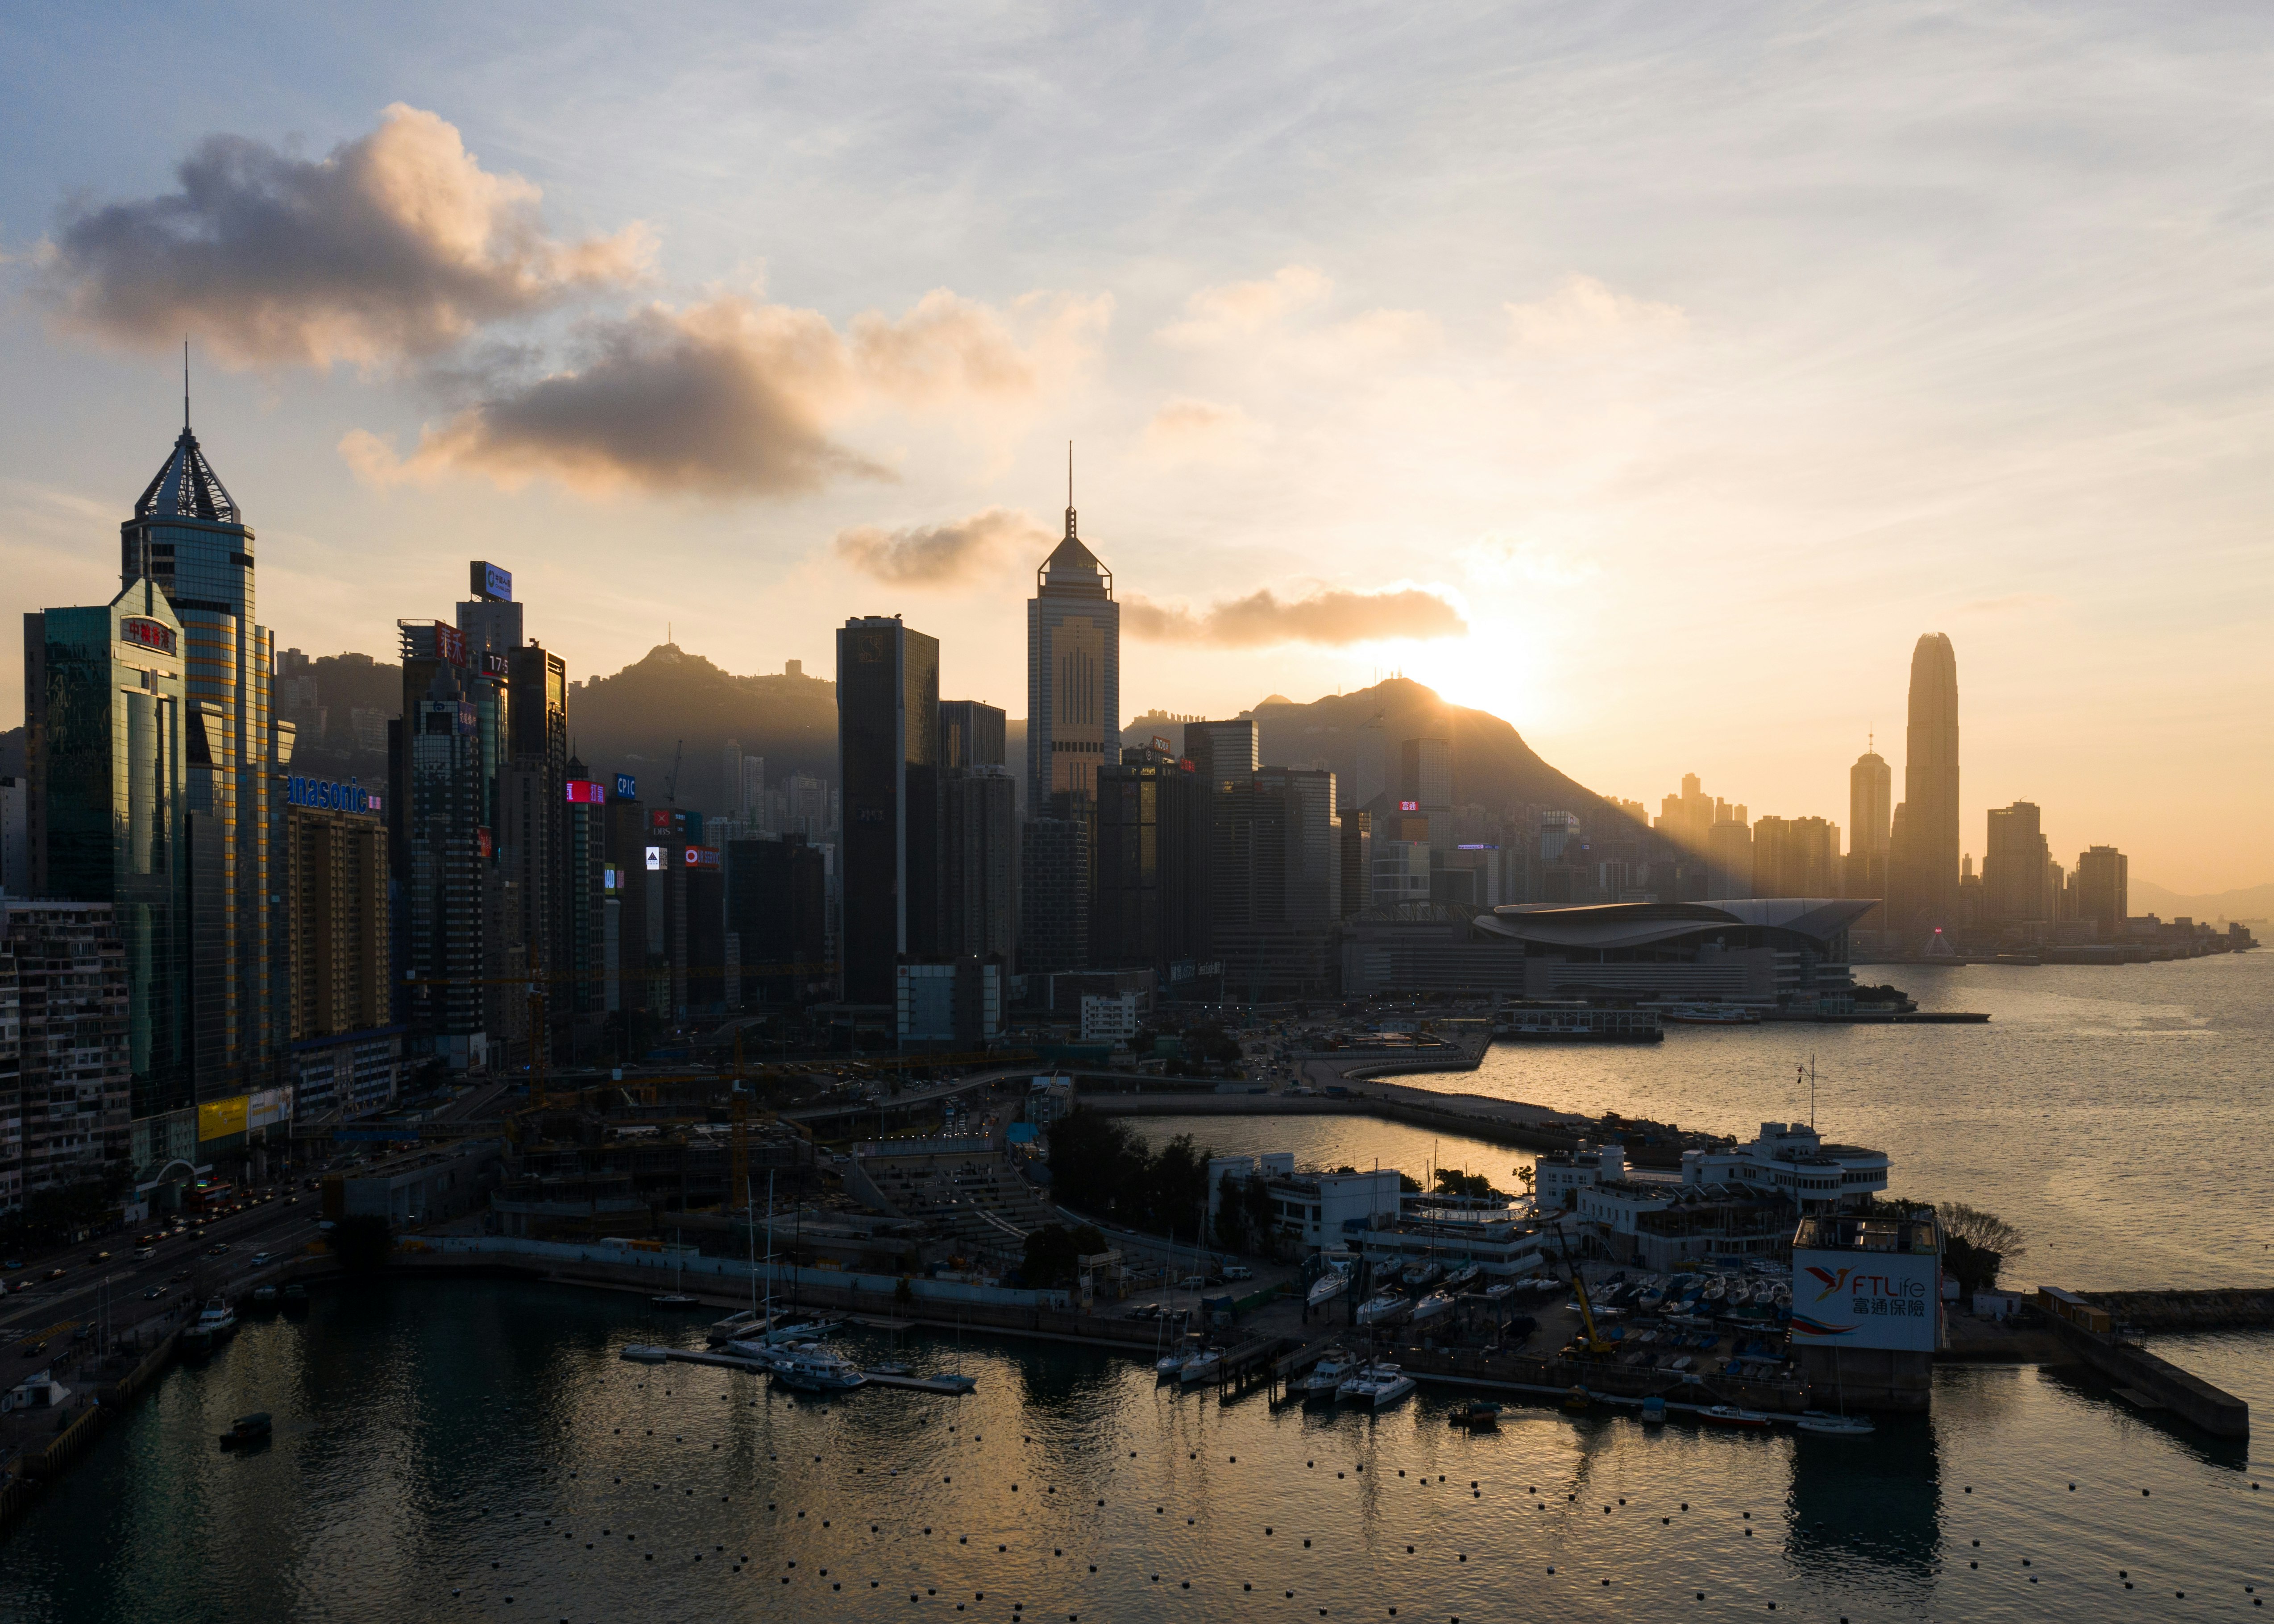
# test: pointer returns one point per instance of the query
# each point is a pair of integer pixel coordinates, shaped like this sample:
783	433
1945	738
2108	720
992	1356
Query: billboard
1866	1299
1409	805
488	581
654	859
324	796
585	793
702	857
627	787
148	634
217	1119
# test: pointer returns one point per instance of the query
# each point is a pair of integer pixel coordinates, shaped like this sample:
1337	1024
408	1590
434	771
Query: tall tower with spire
1073	669
188	536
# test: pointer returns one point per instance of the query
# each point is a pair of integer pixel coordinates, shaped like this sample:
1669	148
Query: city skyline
1303	427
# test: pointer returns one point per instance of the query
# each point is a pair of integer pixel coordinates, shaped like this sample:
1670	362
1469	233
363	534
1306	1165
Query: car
100	1257
198	1233
12	1265
291	1200
260	1259
153	1294
55	1273
1237	1271
216	1249
144	1254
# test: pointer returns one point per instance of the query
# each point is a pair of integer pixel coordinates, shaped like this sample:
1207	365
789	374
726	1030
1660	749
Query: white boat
1729	1415
1169	1363
1830	1425
1379	1310
1463	1278
1434	1306
216	1324
1327	1287
1501	1291
1424	1272
816	1369
1325	1377
1200	1366
1376	1385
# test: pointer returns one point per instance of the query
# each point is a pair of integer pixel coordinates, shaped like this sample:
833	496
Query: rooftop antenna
1070	531
185	383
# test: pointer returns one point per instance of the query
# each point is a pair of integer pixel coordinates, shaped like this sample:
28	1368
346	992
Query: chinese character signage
491	582
148	634
1866	1299
585	793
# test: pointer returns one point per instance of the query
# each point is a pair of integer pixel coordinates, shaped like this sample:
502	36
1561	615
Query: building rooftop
186	487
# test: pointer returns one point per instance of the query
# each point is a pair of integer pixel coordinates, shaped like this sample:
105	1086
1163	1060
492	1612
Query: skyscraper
971	734
2104	877
1871	803
1151	902
1276	879
2015	867
1425	785
1073	670
1223	753
1924	869
189	537
978	860
887	746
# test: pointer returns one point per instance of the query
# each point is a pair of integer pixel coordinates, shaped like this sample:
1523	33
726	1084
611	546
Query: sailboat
675	1297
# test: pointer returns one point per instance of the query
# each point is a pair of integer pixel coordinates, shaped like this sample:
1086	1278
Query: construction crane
1594	1345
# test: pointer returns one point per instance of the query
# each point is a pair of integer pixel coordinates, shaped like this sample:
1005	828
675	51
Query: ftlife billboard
1866	1299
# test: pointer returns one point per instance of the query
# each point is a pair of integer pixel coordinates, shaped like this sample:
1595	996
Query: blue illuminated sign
627	787
491	582
325	796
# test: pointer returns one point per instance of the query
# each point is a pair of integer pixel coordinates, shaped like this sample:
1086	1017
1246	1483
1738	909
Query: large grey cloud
398	244
733	396
1334	618
937	554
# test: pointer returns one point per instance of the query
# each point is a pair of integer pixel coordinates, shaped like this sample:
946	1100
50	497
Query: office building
1922	863
189	537
1054	876
2016	867
1871	804
1795	857
2103	886
1485	865
1150	904
1400	873
1357	860
777	897
344	1047
888	743
442	834
1688	819
1559	832
971	734
107	713
978	824
1425	785
66	1117
1276	876
953	1005
1223	753
588	971
1074	670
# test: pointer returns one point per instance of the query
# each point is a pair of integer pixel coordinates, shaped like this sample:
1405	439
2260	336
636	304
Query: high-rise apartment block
2103	882
344	1047
978	824
66	1117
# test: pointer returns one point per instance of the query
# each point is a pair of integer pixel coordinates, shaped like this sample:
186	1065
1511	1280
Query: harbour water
427	1431
463	1450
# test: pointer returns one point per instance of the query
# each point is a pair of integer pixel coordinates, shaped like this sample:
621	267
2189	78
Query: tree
1050	1259
1453	1181
1976	1244
1528	1175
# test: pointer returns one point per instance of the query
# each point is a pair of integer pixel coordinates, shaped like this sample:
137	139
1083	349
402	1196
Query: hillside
633	721
2256	903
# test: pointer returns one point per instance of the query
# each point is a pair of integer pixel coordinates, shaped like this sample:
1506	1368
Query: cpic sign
1866	1299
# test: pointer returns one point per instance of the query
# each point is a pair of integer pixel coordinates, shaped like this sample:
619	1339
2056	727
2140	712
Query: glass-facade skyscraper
189	538
887	749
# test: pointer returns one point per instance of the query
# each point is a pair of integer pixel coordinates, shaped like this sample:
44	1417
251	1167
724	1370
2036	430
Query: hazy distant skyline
1656	376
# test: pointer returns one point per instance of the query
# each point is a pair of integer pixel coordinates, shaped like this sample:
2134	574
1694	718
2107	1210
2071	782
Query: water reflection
1876	1501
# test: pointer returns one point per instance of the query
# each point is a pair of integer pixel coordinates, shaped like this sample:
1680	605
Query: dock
648	1353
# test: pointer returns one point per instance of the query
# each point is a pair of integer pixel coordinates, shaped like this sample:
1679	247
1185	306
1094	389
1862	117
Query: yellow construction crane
1592	1344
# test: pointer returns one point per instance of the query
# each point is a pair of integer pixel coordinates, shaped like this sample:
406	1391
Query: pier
649	1353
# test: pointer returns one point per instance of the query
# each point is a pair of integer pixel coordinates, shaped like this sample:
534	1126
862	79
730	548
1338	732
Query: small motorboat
642	1353
673	1300
816	1369
1325	1377
217	1323
1478	1414
295	1296
1729	1415
1576	1399
246	1430
1653	1411
264	1296
1824	1424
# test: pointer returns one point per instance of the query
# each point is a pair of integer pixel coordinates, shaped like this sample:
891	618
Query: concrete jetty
649	1353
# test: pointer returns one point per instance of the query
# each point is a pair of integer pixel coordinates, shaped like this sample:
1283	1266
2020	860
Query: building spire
1070	489
185	384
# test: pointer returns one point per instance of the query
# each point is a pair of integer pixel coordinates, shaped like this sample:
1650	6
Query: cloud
1241	309
1333	617
1585	314
1201	430
937	554
736	398
396	245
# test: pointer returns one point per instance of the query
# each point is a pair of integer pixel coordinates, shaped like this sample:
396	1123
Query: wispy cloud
937	554
732	397
396	245
1332	618
1585	314
1194	430
1236	309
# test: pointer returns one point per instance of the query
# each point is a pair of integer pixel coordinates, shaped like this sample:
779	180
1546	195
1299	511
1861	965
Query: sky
1652	376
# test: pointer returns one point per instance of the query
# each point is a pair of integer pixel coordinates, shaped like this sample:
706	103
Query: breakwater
2250	1309
1489	1126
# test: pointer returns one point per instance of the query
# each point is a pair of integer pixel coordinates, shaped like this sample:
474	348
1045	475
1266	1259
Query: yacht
1379	1310
1462	1279
1376	1385
1325	1377
816	1369
1424	1272
1434	1306
1327	1287
1825	1424
1729	1415
1200	1366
